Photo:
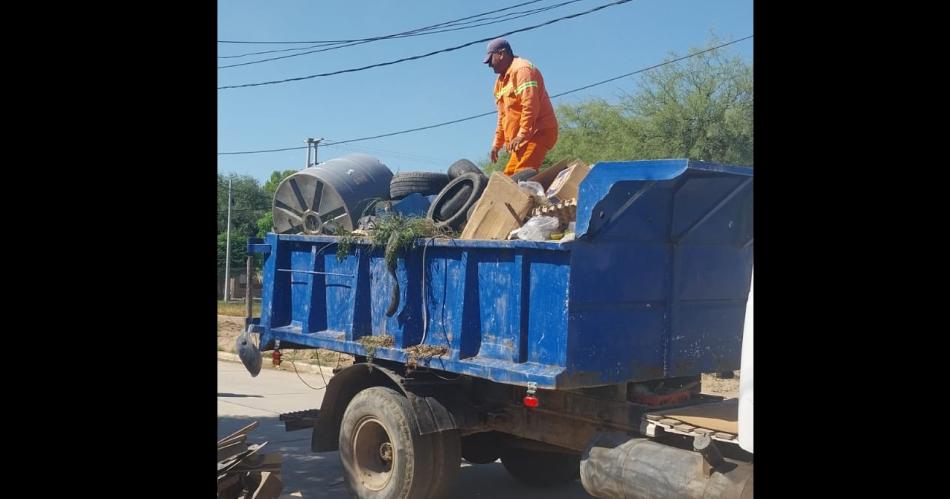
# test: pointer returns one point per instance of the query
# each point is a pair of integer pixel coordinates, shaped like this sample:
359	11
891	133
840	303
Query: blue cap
496	45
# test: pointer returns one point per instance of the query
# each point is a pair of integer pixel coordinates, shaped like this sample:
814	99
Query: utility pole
309	147
227	247
312	142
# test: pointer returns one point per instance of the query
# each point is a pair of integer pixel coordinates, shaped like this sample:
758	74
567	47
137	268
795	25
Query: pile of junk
353	194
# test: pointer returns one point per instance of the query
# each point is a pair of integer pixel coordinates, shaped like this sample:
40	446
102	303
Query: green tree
596	131
248	201
270	187
699	108
238	253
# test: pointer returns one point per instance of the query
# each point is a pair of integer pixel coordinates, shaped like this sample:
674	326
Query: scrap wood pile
243	471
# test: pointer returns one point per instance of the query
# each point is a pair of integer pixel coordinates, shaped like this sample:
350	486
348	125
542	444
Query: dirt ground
229	328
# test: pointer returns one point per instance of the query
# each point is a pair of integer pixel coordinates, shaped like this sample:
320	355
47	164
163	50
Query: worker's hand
516	143
493	154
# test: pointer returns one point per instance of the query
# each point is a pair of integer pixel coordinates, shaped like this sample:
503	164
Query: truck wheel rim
374	454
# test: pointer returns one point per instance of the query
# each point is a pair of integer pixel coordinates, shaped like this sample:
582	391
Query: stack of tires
456	192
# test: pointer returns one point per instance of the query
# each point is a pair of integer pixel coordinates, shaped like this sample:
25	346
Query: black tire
524	174
378	422
452	205
463	166
447	460
541	469
454	220
425	183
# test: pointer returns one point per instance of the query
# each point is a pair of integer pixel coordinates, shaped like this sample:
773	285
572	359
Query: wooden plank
719	416
243	431
671	422
270	487
647	428
228	465
239	438
231	450
685	428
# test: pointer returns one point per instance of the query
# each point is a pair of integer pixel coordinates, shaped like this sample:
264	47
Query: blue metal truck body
653	286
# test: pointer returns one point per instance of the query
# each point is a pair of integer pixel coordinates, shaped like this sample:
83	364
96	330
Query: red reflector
530	401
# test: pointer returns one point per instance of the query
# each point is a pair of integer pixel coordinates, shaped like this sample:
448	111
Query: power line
423	31
356	40
651	67
413	129
450	49
400	155
415	32
553	97
265	150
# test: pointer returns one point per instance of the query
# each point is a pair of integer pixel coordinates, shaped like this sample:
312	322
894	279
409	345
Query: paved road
242	399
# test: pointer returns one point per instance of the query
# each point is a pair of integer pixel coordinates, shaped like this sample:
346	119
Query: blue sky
571	53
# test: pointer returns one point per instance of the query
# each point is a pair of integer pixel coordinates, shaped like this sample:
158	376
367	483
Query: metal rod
227	247
248	288
318	273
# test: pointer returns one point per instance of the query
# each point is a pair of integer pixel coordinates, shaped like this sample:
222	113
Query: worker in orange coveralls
526	120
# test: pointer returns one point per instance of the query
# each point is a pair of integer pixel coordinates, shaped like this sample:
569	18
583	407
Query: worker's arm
499	128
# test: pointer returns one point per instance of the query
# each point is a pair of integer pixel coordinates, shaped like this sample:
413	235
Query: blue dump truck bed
654	286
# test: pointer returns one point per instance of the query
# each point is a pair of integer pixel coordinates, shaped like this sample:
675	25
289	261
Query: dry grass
376	341
423	352
237	309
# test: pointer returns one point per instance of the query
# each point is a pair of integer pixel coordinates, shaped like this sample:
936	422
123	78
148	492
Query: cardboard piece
502	208
547	176
567	183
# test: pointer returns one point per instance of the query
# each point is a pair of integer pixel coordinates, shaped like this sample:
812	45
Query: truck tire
447	460
425	183
383	455
463	166
541	469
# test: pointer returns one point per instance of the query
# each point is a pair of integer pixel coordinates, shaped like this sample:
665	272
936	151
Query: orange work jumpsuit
524	108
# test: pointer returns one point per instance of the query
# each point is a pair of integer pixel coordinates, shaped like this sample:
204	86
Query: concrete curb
285	365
